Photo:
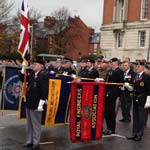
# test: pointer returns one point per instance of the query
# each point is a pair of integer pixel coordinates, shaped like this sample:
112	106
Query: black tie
138	76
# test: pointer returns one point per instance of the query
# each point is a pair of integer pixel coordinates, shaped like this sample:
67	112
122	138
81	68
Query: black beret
91	61
114	59
40	61
65	60
84	60
140	63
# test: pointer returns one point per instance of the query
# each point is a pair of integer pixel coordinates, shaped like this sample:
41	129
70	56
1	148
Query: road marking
2	127
121	136
44	143
114	135
3	114
11	114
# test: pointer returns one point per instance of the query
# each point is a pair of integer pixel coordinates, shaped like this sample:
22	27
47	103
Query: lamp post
148	51
31	39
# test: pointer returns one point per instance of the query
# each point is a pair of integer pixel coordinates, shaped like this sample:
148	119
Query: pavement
12	136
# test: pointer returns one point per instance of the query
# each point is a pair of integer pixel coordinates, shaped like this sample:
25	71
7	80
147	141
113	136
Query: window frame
119	39
142	38
144	9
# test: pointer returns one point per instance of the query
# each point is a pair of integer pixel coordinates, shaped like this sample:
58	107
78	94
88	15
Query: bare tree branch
34	15
5	9
61	15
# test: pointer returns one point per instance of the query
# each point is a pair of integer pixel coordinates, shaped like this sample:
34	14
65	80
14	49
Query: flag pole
2	95
23	47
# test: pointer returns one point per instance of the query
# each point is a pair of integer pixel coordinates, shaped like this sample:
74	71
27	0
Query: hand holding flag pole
23	71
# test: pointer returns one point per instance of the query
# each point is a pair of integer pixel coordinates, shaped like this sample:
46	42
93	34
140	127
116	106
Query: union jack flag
23	47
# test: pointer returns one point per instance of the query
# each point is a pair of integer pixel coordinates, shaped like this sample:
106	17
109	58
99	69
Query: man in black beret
114	75
68	68
141	101
91	70
36	94
126	96
83	68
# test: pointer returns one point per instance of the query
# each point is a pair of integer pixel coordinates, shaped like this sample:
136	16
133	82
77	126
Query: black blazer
37	88
114	76
92	73
141	89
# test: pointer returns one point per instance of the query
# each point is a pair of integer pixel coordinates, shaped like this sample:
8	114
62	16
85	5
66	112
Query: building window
142	38
120	10
144	9
94	38
119	39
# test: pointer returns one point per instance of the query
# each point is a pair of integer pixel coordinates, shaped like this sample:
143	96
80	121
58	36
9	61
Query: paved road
12	136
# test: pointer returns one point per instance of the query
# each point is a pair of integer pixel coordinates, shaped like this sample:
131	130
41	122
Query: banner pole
23	91
3	83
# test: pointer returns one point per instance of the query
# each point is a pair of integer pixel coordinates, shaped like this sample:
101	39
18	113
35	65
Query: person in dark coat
126	96
147	71
141	101
114	75
68	69
83	68
36	95
49	67
58	68
92	71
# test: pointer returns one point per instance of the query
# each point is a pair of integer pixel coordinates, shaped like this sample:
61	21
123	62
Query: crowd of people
131	87
127	81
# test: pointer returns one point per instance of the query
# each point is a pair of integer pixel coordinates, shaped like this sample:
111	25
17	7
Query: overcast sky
90	11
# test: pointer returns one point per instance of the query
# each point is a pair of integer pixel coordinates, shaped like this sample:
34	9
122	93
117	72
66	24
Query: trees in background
10	26
63	28
61	17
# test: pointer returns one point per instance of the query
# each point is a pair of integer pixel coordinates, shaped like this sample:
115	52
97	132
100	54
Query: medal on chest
141	83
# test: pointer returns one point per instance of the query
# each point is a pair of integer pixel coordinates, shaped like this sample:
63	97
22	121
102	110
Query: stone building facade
125	30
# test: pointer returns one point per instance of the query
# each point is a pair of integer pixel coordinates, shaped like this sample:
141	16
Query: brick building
76	37
79	45
125	30
79	39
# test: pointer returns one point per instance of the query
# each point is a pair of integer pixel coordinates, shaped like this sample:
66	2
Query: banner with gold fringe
58	101
11	89
86	111
57	107
53	101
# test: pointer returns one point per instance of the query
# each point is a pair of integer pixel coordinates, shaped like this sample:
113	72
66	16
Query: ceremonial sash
86	111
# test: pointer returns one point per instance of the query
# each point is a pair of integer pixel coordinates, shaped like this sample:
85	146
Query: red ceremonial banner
86	111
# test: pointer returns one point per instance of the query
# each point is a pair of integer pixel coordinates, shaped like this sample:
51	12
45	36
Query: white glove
40	106
65	73
46	101
73	76
24	98
122	88
52	72
99	79
23	67
78	80
147	104
128	86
